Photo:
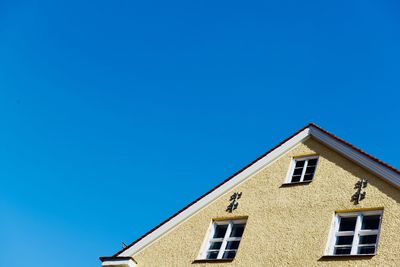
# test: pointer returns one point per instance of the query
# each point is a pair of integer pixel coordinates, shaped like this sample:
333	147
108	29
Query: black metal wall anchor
234	201
359	194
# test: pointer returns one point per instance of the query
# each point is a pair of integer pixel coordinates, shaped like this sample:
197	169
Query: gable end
374	165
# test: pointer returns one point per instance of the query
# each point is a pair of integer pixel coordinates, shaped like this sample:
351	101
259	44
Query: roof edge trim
217	192
118	261
356	155
378	167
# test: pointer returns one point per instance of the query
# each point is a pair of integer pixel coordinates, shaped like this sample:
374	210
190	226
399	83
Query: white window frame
356	233
209	238
293	165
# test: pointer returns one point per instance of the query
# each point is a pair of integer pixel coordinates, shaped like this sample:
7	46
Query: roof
373	164
356	148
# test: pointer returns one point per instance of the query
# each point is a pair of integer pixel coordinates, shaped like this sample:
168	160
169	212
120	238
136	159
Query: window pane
312	162
300	163
342	251
310	170
366	250
368	239
295	179
371	222
344	240
212	255
308	177
220	231
237	230
232	245
298	171
347	224
229	254
215	245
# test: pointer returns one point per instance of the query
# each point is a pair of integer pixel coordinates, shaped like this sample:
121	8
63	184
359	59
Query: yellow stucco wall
288	226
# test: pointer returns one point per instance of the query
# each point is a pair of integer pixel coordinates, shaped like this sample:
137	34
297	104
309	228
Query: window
303	169
356	233
224	239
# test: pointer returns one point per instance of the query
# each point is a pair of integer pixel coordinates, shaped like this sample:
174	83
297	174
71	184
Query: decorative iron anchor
234	201
359	194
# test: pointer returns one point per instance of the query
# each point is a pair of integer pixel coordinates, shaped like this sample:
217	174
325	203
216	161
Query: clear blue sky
115	114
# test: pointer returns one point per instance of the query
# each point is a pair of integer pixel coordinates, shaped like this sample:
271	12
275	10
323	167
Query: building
313	200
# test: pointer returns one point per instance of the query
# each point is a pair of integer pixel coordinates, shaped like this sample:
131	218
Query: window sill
346	257
295	184
212	260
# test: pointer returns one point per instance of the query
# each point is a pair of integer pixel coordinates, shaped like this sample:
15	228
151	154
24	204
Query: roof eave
380	168
118	261
356	155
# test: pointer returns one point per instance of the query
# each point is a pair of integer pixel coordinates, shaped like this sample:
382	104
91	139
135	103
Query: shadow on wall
384	187
345	258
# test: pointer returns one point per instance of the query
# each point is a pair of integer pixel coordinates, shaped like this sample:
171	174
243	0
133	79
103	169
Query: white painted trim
204	245
352	154
261	163
210	233
331	238
348	152
289	176
116	262
356	233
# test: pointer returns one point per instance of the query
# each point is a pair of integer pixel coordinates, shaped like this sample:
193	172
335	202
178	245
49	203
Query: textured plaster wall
288	226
